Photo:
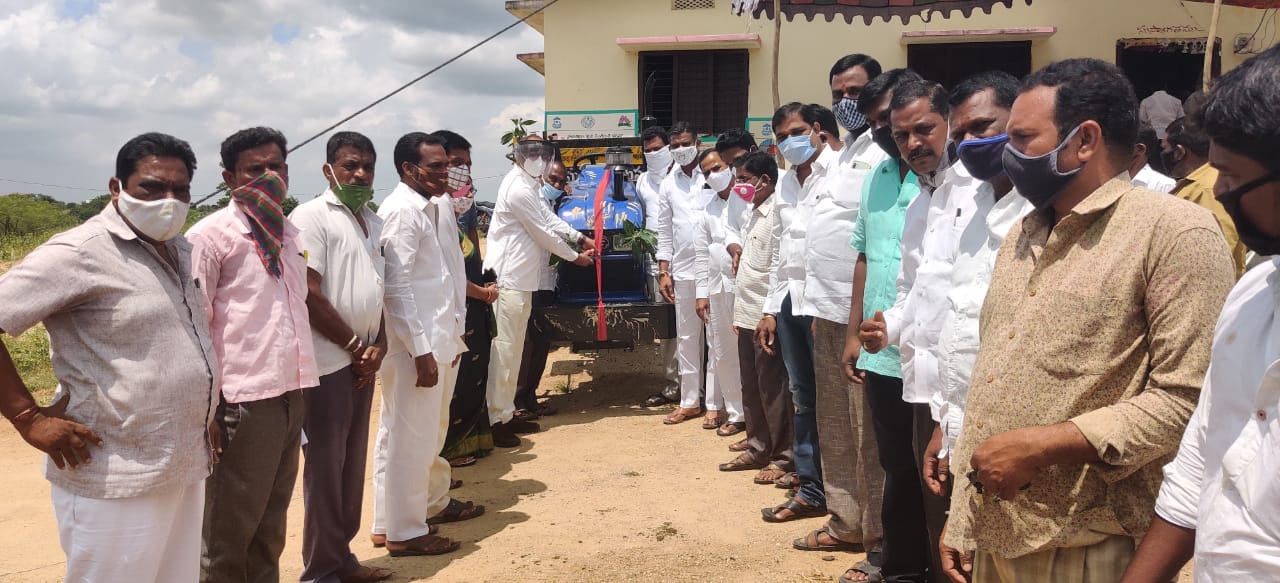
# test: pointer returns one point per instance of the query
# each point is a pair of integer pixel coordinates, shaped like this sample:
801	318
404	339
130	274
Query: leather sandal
743	462
813	542
731	429
798	510
425	545
457	511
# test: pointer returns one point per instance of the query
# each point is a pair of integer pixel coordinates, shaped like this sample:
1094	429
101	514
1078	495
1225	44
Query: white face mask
534	166
462	204
659	161
685	156
158	220
719	181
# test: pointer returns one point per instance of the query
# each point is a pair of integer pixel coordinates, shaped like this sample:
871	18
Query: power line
403	87
62	186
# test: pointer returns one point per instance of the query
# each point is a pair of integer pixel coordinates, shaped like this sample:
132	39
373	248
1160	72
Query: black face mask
883	137
1252	237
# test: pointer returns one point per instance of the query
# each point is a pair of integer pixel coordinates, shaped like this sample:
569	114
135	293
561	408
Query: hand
873	333
215	441
589	244
491	293
849	360
585	259
957	566
66	441
667	288
1006	462
428	371
766	333
937	471
369	364
703	307
735	251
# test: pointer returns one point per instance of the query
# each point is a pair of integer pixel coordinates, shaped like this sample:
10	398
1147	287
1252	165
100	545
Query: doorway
1174	65
950	63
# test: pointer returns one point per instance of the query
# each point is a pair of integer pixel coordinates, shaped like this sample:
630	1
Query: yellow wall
586	70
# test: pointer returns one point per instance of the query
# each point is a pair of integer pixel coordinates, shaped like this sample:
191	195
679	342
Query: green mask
354	196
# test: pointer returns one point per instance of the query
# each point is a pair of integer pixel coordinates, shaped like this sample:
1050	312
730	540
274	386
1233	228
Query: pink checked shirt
259	323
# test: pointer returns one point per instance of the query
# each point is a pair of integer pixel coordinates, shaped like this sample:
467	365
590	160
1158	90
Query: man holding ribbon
254	277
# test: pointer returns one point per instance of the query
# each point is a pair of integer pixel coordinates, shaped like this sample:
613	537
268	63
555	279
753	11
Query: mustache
920	152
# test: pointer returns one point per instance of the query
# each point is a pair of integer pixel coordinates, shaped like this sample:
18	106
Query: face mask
462	204
534	166
1038	178
353	196
459	177
745	191
847	114
883	137
158	220
550	192
797	149
984	157
1252	237
685	156
718	181
659	161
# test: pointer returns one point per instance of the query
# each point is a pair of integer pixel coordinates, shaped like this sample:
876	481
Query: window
950	63
708	89
692	4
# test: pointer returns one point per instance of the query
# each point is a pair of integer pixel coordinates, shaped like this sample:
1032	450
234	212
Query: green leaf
528	122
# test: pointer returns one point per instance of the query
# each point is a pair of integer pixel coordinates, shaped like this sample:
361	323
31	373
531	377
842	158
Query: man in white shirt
1142	170
657	161
933	225
797	128
341	240
1160	109
1219	499
680	202
714	269
979	114
523	234
851	472
425	319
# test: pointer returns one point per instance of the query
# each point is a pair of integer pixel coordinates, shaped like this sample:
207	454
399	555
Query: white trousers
512	314
410	479
724	378
666	346
689	343
154	537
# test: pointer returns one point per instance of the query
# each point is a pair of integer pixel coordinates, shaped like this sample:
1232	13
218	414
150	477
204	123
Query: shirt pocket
1075	335
760	252
847	191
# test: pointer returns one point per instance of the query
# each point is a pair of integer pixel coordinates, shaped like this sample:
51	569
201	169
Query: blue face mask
550	192
984	157
1038	178
797	149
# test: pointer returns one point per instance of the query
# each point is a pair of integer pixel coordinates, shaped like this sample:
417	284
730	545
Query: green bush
27	214
30	353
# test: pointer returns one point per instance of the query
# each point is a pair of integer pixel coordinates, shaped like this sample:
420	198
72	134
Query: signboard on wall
761	128
604	123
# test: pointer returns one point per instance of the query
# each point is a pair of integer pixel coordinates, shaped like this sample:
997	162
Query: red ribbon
602	332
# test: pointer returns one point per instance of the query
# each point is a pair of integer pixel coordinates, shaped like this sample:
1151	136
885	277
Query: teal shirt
878	235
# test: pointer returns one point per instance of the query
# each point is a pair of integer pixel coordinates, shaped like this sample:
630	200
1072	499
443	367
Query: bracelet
26	415
355	338
358	348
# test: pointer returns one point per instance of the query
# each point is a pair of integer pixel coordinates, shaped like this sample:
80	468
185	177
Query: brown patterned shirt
1104	320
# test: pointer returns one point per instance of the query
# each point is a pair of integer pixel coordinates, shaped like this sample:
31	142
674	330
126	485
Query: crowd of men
974	333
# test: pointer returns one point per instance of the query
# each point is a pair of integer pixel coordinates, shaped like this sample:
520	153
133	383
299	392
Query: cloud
87	75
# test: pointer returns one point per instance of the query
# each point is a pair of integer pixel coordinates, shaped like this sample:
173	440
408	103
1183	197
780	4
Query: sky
85	76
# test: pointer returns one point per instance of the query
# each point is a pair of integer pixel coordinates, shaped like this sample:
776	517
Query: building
614	66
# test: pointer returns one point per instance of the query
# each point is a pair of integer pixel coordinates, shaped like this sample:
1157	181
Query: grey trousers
337	429
851	472
247	497
766	400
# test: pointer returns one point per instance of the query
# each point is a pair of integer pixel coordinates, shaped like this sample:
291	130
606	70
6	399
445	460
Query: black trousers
533	361
905	556
935	508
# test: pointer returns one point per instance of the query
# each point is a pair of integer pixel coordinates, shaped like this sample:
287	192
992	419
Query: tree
26	214
90	208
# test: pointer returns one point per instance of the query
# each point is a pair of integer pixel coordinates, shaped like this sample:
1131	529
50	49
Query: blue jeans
796	335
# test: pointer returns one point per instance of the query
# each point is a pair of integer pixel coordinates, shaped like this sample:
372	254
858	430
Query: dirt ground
604	493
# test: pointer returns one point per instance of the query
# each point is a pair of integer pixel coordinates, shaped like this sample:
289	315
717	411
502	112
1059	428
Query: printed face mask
685	156
847	114
459	177
462	204
158	220
984	157
1037	177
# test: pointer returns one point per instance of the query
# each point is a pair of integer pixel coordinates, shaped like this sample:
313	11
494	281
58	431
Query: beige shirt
130	345
1104	321
759	252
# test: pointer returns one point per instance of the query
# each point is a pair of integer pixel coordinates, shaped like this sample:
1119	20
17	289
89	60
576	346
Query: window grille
692	4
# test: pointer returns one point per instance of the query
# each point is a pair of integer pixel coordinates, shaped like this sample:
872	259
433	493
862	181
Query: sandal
740	445
680	416
464	461
657	400
813	542
545	410
743	462
366	574
380	540
455	484
731	429
427	544
457	511
872	572
787	482
709	423
798	510
524	415
770	473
